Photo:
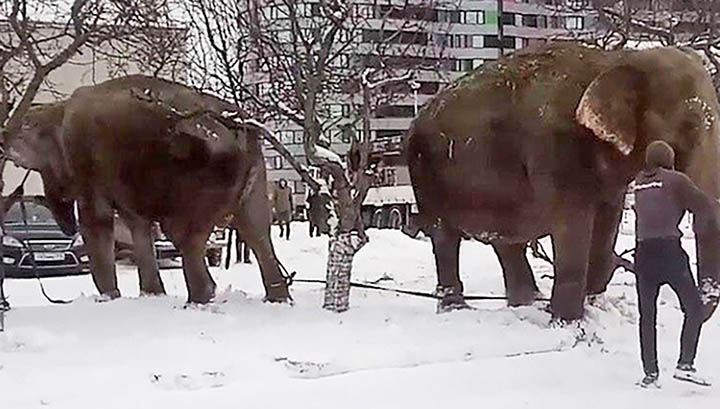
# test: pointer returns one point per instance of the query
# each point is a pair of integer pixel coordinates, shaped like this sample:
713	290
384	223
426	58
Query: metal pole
501	30
415	86
2	268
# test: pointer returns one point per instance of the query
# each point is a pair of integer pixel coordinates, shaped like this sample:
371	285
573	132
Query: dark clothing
283	203
241	248
285	230
661	198
314	229
658	262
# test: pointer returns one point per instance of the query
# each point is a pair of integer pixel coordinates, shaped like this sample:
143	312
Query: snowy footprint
189	382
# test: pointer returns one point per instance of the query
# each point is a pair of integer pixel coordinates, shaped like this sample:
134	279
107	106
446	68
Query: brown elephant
546	141
123	145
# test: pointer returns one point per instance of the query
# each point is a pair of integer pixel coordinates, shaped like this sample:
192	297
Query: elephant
126	145
545	142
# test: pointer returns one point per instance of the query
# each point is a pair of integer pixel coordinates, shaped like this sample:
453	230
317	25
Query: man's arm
703	206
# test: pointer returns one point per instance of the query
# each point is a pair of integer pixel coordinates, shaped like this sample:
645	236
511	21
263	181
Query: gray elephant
545	142
123	145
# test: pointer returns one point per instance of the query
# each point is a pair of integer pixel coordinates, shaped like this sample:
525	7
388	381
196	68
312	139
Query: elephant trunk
62	207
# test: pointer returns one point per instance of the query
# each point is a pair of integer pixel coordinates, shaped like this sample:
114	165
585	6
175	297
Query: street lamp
415	86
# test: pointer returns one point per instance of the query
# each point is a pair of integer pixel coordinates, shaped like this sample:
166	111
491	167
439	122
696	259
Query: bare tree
284	60
39	36
687	23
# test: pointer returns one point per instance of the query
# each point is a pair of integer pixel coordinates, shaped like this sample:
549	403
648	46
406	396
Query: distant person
662	195
242	250
313	207
282	203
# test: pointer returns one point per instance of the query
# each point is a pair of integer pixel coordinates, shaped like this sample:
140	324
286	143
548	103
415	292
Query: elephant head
663	94
37	146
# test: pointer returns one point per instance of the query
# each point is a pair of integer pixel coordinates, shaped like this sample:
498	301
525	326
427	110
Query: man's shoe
688	373
650	380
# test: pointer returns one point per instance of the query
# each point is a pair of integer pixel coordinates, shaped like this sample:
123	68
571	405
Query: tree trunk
341	251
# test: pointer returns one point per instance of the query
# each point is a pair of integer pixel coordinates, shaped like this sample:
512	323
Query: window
493	42
542	21
365	10
286	137
477	41
574	23
346	134
451	16
474	17
302	10
387	177
466	65
340	61
530	20
283	36
477	62
298	137
508	19
299	186
277	162
395	111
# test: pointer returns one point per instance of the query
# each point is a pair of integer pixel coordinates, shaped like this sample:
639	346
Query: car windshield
36	214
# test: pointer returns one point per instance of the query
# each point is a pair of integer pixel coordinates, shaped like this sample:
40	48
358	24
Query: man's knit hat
660	154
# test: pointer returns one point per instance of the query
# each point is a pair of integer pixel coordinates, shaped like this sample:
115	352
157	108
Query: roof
378	196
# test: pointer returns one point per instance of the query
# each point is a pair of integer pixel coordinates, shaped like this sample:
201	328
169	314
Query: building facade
465	33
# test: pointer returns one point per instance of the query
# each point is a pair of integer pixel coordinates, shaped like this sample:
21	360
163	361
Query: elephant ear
612	106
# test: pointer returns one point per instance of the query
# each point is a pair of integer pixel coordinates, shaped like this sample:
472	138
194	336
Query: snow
382	195
387	351
328	155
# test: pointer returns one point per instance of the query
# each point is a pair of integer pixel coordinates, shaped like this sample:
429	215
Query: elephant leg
144	250
254	228
190	239
446	246
96	226
520	286
571	239
602	250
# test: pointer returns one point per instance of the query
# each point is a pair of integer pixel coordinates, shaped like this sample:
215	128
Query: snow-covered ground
388	351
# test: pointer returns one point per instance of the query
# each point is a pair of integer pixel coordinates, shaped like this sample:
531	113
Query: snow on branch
368	84
328	155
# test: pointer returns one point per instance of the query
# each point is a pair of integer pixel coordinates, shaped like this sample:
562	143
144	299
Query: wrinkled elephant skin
545	142
107	149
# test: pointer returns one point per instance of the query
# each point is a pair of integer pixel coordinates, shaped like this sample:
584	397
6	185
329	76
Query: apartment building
467	33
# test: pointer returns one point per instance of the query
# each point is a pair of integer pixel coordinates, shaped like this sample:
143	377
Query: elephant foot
154	290
522	297
568	301
448	305
108	295
450	299
152	293
278	293
202	297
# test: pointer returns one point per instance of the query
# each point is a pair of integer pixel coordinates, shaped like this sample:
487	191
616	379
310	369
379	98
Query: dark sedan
55	252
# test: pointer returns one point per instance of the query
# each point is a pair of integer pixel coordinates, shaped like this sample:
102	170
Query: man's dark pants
658	262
